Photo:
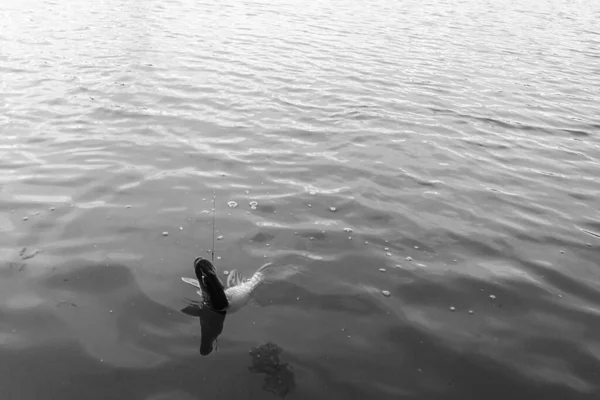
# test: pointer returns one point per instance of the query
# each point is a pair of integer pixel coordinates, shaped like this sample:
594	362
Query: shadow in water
279	377
211	326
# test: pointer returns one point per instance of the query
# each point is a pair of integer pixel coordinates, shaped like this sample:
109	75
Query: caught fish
216	301
239	291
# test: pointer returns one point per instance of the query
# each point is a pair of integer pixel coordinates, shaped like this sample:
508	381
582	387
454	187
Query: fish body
213	293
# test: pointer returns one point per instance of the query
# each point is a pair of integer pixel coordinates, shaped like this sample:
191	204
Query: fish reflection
211	326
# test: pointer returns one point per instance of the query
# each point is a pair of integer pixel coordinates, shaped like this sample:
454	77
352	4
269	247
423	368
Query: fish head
213	291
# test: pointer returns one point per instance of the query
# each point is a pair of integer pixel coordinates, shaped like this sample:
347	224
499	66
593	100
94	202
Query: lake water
458	142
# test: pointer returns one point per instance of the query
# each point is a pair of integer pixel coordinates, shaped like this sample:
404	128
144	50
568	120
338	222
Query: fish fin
192	310
191	281
265	266
235	278
253	303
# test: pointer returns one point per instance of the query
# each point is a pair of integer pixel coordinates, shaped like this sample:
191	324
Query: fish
238	293
216	301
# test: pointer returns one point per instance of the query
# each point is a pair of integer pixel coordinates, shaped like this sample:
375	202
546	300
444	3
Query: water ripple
443	151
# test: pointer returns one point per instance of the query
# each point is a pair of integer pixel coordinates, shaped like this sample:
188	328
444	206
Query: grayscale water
459	140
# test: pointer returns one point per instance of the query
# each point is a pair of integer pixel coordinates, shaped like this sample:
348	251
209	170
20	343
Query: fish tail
272	272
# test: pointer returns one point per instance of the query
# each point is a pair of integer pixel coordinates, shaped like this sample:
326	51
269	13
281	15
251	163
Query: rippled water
458	140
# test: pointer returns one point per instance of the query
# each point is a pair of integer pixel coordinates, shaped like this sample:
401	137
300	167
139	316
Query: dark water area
445	152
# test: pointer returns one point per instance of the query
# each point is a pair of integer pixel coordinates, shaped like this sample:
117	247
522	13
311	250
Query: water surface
458	142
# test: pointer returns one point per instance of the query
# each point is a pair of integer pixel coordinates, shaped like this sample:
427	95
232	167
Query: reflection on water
445	152
211	326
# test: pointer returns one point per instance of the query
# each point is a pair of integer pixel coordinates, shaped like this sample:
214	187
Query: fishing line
214	212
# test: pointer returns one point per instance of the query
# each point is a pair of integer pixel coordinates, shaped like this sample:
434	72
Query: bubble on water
232	204
350	237
312	238
416	247
219	237
309	205
348	230
366	242
253	207
388	254
181	228
408	258
470	311
492	296
385	293
387	249
452	308
332	209
225	272
382	269
253	203
218	258
203	199
165	233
